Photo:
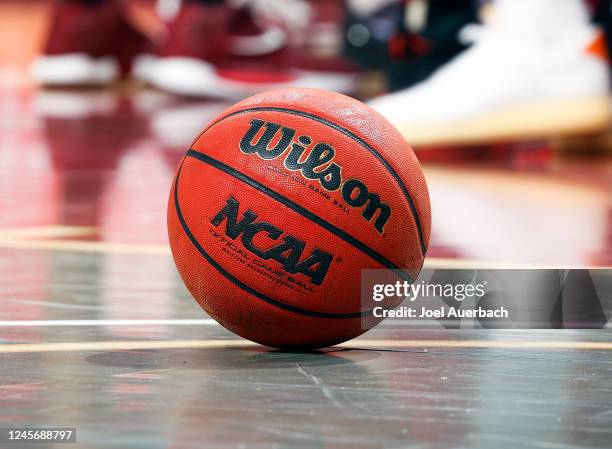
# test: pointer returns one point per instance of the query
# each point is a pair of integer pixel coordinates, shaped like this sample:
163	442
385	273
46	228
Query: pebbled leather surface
259	298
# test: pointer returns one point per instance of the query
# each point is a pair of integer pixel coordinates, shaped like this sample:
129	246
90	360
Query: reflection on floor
103	161
100	334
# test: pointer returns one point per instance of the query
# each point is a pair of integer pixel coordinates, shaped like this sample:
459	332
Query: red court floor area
96	166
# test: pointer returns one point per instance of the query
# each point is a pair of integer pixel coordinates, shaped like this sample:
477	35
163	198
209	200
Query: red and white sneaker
87	44
218	51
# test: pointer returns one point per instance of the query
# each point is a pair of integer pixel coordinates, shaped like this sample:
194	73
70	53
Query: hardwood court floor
99	333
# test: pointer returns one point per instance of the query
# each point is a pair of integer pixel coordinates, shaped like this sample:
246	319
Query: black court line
349	134
241	284
300	210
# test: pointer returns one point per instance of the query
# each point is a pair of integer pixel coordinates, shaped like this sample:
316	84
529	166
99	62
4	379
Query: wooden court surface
99	333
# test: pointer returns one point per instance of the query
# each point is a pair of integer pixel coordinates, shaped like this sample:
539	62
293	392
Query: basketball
279	205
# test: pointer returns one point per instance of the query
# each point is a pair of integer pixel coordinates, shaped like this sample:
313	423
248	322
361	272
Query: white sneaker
521	79
74	69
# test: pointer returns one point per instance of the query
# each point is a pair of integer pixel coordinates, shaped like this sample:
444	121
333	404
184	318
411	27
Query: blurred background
506	103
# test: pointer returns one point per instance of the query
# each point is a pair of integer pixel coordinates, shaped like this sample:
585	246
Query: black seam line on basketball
241	284
300	210
347	133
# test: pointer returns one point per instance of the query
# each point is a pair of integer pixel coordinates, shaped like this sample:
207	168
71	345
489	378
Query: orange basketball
280	203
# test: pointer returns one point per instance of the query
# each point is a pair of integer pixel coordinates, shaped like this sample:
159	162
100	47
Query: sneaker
217	51
524	77
87	44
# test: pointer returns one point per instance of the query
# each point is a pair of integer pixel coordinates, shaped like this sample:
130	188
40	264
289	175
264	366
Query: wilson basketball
280	203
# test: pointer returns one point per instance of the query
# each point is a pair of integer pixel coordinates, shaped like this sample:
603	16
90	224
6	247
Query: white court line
34	323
